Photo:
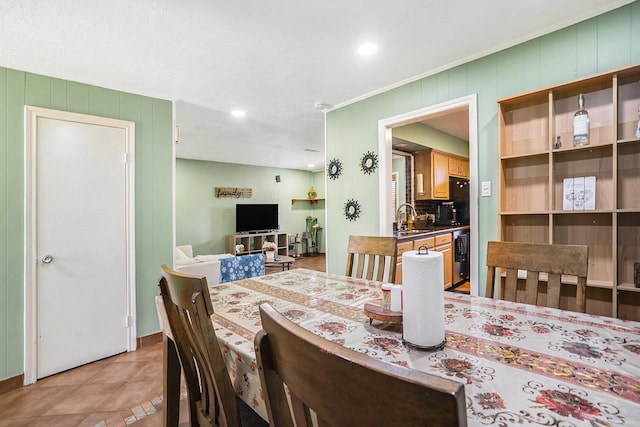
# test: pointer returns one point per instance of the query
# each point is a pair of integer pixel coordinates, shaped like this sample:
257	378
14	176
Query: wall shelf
313	201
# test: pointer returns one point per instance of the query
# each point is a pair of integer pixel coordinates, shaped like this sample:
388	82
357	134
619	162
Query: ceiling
283	62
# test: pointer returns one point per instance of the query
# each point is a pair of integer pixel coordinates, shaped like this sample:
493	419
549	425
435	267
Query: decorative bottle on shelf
581	124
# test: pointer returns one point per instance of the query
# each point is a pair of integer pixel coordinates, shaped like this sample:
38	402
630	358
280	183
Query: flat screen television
254	218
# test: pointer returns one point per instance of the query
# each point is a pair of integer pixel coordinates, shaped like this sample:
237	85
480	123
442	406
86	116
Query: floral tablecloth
520	364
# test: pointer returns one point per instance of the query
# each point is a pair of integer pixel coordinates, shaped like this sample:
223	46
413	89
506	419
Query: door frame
31	116
384	147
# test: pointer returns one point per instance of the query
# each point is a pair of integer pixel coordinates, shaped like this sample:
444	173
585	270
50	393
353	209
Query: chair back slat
553	290
369	257
552	260
531	288
311	367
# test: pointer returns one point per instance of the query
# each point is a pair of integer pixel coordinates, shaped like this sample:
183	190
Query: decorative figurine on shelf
638	127
269	249
558	143
312	193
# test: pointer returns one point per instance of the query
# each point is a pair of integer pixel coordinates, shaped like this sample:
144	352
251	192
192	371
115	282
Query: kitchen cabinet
444	244
402	248
439	175
458	167
434	167
536	155
441	243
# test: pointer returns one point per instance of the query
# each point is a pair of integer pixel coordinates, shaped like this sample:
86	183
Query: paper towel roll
423	298
419	184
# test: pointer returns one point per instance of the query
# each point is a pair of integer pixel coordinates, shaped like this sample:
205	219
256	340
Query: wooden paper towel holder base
375	311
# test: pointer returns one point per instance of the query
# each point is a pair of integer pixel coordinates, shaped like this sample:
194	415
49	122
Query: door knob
47	259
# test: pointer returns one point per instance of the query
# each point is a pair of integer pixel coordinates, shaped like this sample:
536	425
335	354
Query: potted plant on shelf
269	249
312	193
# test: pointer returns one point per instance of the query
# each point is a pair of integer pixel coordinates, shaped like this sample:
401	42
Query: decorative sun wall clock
352	210
369	162
335	169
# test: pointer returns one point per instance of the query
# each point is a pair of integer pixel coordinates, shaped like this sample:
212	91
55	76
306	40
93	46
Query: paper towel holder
437	347
426	250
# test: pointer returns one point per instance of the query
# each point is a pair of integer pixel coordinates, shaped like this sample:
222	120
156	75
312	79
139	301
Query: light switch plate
486	189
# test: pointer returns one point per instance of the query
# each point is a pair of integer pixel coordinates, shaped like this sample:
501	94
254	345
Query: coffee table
281	260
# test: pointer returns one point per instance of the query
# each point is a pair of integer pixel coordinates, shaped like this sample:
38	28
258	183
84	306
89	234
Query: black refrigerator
459	195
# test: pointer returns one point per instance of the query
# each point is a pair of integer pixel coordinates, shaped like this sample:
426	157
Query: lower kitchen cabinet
444	244
441	243
402	248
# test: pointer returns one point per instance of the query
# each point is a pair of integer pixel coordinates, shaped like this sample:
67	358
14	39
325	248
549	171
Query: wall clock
351	210
369	162
335	169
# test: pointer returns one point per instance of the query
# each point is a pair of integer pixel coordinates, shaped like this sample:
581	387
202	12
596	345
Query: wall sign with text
232	193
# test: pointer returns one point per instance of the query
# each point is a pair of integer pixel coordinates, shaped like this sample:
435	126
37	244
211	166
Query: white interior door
81	243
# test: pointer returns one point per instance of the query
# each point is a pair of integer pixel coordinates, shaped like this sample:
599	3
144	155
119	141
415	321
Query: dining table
520	364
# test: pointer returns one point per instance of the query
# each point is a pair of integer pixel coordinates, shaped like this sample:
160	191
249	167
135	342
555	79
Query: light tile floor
116	391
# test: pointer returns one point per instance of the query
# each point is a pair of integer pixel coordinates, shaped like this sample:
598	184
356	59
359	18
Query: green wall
432	138
203	220
606	42
153	221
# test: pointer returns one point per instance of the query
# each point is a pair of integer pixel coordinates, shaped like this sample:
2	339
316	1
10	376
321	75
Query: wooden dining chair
540	261
212	400
371	254
343	387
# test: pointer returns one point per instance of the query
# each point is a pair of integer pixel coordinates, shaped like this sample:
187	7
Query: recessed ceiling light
367	49
238	113
310	165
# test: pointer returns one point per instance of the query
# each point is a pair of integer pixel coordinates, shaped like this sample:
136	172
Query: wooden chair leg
171	383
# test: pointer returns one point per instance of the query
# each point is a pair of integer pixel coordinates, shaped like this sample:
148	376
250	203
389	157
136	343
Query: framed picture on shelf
589	193
567	194
578	193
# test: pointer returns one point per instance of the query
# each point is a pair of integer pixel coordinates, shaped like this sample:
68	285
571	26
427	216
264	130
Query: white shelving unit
253	242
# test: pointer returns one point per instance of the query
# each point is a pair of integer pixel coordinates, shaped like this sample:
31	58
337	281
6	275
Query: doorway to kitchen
385	146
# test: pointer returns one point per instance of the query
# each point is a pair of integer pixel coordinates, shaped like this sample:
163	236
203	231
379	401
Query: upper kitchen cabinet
458	167
551	191
435	167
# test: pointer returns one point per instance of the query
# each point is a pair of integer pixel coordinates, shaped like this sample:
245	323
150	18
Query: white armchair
200	265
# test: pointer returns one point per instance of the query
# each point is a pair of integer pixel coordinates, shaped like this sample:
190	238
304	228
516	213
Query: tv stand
253	242
258	232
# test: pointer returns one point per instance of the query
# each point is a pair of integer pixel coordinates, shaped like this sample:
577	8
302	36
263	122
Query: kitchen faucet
398	222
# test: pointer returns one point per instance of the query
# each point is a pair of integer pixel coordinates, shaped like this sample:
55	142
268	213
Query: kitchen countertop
433	230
